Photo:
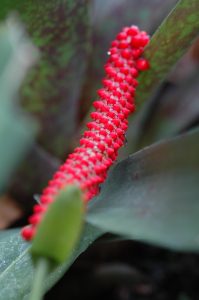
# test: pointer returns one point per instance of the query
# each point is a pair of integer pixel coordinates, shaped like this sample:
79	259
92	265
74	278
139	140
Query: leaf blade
168	44
17	54
17	271
151	193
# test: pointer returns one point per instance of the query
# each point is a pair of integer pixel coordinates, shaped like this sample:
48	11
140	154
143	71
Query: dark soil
128	270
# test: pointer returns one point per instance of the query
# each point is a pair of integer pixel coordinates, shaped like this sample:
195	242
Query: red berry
142	64
35	219
27	233
136	53
126	54
123	45
38	208
136	41
121	36
133	30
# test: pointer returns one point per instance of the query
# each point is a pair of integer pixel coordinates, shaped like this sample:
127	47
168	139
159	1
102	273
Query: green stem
41	270
168	44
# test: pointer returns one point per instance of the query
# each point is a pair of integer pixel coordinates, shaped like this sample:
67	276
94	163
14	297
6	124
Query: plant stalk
41	271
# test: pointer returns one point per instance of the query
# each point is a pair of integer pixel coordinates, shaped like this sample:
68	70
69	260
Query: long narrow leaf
168	44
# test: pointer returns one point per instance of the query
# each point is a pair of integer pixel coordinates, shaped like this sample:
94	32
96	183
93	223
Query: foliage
16	130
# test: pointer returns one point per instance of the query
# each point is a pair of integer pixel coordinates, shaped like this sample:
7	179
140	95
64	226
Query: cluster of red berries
87	166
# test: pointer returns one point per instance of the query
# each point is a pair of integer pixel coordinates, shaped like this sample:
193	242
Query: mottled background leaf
168	44
61	30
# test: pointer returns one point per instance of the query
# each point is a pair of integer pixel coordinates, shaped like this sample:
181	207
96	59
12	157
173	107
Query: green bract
60	228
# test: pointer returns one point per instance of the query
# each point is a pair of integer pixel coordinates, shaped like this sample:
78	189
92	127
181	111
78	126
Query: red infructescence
87	166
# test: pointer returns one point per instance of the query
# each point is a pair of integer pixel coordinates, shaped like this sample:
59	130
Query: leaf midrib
10	266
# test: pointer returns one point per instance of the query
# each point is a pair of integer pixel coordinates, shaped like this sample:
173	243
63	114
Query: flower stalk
42	268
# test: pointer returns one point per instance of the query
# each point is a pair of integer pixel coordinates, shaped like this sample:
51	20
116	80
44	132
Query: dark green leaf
153	195
15	265
177	110
172	110
16	269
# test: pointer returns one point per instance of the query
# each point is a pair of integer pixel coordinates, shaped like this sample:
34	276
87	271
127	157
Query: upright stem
41	271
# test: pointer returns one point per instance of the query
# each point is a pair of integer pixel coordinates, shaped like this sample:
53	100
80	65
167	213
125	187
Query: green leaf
153	195
61	31
170	112
17	55
15	265
14	135
168	44
16	269
177	109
